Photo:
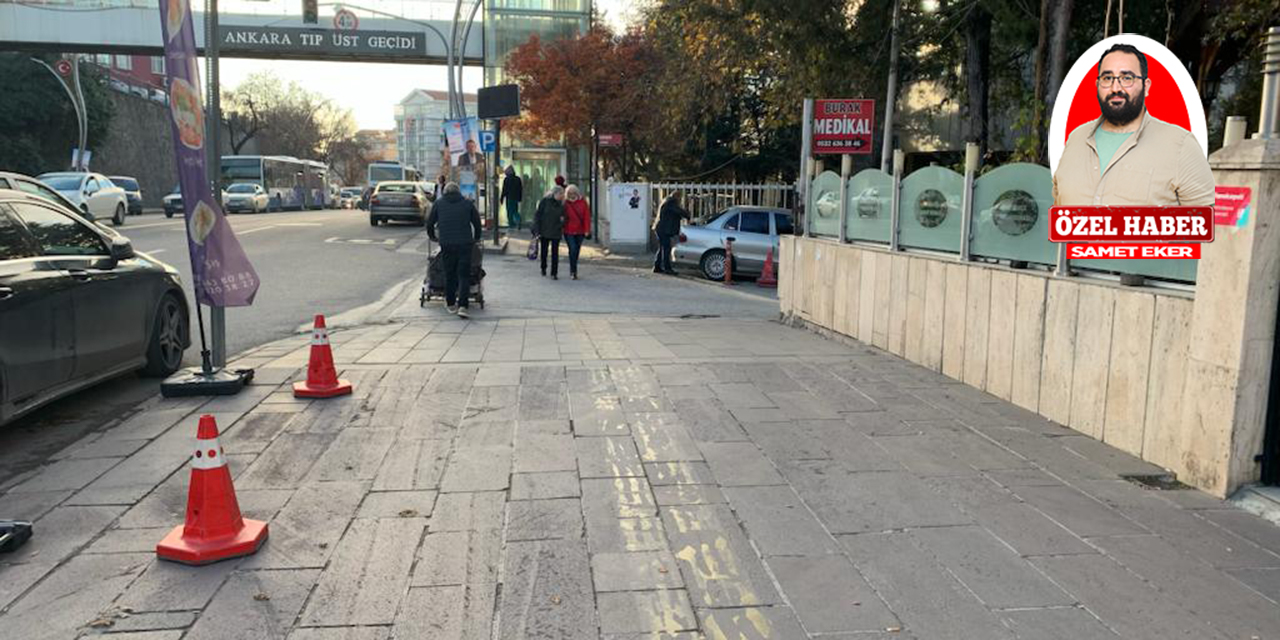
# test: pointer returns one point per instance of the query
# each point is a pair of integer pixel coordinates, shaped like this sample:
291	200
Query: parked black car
78	306
132	192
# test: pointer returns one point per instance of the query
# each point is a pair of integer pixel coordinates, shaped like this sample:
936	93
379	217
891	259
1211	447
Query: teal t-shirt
1108	143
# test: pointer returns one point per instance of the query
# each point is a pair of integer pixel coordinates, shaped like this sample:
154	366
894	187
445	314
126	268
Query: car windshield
350	192
63	183
128	184
240	188
395	188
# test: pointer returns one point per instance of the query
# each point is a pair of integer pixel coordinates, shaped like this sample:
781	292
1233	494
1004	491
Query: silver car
90	192
754	231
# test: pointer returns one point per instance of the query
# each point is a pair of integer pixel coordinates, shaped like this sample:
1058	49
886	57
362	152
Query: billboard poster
463	137
220	269
843	126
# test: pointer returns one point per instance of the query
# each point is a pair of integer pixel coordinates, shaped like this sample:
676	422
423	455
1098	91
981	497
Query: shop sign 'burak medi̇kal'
221	271
843	126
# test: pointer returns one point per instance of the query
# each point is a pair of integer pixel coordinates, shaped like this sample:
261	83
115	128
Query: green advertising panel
870	216
930	210
824	205
1011	214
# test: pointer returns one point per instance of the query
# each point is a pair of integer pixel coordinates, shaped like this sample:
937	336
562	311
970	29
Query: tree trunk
1041	116
977	65
1060	28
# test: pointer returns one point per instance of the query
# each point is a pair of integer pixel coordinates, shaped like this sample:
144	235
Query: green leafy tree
38	127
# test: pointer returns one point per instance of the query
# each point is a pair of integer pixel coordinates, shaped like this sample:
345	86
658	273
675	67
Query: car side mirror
122	249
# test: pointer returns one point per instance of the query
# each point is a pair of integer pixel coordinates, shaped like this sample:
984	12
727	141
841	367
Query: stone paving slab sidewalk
628	478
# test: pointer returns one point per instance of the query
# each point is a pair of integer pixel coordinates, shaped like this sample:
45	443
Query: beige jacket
1159	165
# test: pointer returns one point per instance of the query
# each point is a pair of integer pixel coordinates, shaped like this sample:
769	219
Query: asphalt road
309	262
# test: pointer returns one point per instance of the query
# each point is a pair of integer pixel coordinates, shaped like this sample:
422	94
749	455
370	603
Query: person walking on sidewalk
577	225
548	225
454	222
512	194
667	228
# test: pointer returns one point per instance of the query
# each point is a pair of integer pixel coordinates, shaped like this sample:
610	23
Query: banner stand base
194	381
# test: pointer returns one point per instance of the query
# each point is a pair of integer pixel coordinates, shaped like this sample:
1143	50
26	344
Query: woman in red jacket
577	225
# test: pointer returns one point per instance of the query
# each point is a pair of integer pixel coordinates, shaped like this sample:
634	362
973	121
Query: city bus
381	170
289	182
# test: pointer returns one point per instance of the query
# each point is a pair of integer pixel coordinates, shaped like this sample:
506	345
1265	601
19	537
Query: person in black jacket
512	194
454	222
548	225
667	228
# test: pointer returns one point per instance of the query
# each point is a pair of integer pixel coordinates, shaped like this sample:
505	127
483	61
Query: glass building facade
509	24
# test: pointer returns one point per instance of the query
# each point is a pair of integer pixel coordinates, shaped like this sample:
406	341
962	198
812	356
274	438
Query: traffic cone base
322	377
247	541
305	390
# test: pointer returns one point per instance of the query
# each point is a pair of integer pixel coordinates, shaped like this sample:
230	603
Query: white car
92	193
245	196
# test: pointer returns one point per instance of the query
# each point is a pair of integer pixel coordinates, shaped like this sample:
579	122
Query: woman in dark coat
548	225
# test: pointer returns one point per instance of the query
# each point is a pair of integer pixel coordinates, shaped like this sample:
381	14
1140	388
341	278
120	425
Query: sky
372	90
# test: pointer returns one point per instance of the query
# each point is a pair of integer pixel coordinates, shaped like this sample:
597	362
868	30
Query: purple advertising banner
221	271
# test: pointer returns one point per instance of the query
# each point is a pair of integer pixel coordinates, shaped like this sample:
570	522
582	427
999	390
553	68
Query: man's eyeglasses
1126	79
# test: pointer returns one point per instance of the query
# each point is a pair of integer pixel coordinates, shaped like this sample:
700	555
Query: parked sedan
246	196
398	200
91	192
132	193
78	306
754	231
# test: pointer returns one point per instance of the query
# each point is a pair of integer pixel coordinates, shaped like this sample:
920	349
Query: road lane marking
299	224
249	231
133	227
154	252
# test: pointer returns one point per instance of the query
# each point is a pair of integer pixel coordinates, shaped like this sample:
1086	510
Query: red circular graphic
213	454
1164	99
63	67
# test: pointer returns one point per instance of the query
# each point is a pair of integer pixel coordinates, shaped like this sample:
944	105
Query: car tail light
684	238
374	199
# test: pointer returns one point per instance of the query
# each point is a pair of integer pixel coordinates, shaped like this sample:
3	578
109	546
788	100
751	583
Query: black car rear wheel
118	218
168	338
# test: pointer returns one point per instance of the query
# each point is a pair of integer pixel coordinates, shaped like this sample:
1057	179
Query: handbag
533	249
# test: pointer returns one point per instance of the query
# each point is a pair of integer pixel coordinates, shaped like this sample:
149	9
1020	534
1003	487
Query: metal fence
703	200
1002	216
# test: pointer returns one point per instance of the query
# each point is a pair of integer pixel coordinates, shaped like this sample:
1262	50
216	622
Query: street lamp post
77	103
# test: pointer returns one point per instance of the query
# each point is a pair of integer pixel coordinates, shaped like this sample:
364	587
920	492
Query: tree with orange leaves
573	87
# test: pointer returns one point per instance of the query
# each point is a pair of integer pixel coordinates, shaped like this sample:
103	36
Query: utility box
630	217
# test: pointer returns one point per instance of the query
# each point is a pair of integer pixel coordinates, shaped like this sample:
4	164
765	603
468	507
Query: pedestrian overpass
408	31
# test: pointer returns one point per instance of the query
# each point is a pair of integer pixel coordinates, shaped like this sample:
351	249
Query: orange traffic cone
767	278
214	529
322	377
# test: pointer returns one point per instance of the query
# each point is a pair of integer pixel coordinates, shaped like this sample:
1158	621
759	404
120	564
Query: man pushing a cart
454	222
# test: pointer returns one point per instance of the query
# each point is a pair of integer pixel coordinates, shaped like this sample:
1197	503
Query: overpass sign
321	42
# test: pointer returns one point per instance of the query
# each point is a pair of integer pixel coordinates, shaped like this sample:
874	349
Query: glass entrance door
538	170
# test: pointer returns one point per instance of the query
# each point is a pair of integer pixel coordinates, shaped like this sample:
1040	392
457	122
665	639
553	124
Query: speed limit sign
63	67
345	20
